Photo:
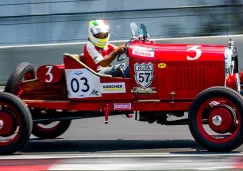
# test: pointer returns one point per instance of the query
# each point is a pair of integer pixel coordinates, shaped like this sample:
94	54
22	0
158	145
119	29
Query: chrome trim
230	53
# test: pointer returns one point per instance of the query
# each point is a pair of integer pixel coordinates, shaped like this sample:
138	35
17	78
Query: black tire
51	134
17	75
234	97
25	122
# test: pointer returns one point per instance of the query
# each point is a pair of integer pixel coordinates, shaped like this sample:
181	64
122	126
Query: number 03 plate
81	83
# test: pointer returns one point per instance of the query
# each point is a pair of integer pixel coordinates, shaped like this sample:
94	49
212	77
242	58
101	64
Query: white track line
116	155
137	166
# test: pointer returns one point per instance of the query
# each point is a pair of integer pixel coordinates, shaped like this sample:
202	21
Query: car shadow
64	146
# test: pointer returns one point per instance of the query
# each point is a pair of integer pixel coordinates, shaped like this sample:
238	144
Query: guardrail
11	56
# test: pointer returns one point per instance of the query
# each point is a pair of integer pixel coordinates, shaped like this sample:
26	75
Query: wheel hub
222	118
217	120
1	124
7	124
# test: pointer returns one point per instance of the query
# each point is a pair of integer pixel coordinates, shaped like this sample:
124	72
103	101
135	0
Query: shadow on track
65	146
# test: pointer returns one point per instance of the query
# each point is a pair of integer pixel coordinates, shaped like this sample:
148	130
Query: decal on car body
117	87
122	106
162	65
144	74
143	51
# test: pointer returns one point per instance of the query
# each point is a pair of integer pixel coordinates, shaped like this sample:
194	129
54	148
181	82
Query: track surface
89	144
120	135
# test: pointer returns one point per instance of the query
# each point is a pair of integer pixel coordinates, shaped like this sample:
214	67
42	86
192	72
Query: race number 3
48	73
195	49
82	83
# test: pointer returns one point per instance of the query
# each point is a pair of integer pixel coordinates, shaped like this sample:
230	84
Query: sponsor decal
122	106
162	65
143	51
144	74
95	93
118	87
139	90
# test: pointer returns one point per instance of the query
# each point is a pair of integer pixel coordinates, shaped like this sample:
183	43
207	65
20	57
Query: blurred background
58	21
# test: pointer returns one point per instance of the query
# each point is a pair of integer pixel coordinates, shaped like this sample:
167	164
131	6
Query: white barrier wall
53	54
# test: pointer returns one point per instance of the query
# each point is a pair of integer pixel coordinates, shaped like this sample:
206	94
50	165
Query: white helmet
99	33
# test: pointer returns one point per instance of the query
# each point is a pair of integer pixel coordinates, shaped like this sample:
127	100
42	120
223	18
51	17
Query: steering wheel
119	58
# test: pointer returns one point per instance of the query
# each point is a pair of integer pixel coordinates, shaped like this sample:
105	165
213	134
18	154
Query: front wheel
222	108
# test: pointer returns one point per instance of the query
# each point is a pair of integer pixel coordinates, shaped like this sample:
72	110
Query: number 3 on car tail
48	73
195	49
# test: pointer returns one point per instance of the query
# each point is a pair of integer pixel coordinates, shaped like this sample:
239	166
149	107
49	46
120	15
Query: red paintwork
54	76
227	120
91	106
178	52
187	78
231	80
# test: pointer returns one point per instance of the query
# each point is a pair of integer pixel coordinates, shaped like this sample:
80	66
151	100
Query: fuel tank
180	69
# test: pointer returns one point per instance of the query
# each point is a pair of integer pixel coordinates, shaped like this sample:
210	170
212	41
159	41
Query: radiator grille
190	77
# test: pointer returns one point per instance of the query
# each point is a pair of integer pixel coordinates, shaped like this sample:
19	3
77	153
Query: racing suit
93	55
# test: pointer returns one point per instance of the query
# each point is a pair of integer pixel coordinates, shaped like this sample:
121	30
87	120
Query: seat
78	58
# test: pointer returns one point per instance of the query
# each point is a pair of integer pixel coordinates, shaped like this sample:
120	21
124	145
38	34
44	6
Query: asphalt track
123	144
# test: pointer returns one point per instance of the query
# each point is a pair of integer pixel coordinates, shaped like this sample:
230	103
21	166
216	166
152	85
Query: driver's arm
106	61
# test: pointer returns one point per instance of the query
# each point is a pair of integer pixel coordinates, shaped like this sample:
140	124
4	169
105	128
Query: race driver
99	53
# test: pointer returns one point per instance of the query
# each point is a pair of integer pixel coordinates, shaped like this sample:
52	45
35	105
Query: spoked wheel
15	124
224	114
24	71
50	130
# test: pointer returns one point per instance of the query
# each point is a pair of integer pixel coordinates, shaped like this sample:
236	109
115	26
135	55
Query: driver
99	53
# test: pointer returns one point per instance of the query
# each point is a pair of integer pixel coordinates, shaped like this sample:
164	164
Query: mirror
135	30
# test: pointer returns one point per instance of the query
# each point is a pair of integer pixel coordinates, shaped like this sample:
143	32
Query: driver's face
101	35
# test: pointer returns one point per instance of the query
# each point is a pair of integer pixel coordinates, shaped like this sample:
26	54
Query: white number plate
82	83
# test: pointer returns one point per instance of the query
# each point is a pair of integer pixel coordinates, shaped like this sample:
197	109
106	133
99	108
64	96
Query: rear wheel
24	71
224	114
50	130
15	124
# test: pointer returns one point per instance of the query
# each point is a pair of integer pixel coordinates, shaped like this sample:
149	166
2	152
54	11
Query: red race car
201	81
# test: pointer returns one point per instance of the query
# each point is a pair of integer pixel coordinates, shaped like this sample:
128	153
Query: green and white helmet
99	33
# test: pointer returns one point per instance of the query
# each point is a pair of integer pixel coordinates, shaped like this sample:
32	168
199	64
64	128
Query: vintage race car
201	81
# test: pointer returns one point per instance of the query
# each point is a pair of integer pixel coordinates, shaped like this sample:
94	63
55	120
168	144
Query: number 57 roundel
82	83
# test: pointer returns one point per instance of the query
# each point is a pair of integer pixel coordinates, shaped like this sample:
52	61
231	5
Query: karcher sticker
162	65
118	87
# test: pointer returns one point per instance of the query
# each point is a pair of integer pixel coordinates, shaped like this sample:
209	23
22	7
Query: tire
17	75
25	120
61	127
236	99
